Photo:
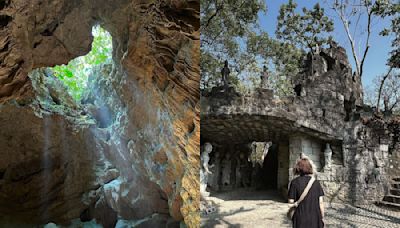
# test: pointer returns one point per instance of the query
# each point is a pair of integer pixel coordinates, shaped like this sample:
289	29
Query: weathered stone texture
326	108
149	141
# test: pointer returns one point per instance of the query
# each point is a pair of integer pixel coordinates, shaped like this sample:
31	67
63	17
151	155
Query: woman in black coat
310	212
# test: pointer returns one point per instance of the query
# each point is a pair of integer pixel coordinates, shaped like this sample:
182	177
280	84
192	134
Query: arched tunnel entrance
269	169
250	163
251	166
246	157
254	153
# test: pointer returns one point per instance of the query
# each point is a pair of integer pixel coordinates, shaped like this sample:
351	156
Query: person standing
309	213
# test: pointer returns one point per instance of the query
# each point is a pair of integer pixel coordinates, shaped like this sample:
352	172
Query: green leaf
75	74
68	73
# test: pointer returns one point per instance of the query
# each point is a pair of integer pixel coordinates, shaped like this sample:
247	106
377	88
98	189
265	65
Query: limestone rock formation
131	149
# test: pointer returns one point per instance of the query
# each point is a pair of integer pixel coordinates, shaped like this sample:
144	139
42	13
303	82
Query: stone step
395	206
395	192
392	199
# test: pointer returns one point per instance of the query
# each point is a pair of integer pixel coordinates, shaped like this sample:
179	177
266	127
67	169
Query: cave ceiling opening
76	73
78	84
126	145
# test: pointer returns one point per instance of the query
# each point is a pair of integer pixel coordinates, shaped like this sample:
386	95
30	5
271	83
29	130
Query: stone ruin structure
356	153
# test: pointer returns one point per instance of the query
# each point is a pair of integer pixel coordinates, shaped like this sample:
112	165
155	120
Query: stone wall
283	166
300	144
245	166
326	107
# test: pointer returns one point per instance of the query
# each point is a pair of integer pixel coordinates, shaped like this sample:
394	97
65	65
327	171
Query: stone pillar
294	153
283	166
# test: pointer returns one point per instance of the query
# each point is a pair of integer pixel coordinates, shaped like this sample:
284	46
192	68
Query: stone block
316	151
313	157
307	150
384	147
306	143
324	176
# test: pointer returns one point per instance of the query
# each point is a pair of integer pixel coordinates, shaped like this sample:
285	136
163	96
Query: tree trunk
381	87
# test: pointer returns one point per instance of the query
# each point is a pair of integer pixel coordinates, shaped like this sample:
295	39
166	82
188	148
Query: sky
374	65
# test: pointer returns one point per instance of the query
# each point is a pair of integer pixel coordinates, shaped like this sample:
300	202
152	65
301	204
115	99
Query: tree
309	30
382	83
225	26
392	10
296	34
74	75
394	59
363	13
386	85
284	59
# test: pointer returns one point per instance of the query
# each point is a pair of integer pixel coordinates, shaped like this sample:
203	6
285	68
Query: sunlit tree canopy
75	74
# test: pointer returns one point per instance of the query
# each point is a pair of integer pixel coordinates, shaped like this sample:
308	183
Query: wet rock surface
130	149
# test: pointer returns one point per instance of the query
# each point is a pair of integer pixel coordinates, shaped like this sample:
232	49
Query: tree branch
381	87
395	103
367	42
217	9
345	23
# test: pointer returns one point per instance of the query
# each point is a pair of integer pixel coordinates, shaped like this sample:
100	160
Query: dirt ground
244	208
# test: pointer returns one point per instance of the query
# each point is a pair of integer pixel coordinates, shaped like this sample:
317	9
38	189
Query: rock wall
141	161
326	107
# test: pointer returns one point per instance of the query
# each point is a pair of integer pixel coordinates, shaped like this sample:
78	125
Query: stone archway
149	156
242	166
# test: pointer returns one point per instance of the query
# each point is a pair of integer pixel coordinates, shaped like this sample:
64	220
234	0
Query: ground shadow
350	216
218	218
246	194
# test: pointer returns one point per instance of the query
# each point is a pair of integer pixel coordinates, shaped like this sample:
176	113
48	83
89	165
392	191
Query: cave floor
247	208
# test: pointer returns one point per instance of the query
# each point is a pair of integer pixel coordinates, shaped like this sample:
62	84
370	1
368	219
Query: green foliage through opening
75	74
